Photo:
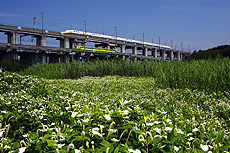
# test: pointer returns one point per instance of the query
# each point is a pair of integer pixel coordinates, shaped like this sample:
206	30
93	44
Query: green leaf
52	143
105	143
116	150
220	135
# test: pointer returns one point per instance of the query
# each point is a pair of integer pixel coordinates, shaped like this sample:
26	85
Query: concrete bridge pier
66	42
10	54
171	55
145	51
162	53
33	58
41	40
123	48
178	56
134	52
12	37
64	58
53	58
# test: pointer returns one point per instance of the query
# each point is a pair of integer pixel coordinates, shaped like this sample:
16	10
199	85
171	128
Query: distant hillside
216	52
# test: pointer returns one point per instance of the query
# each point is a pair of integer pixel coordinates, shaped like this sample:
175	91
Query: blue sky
199	23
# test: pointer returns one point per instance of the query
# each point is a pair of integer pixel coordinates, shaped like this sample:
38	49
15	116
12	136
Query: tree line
213	53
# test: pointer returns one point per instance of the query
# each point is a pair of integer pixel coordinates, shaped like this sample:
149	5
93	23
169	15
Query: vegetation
216	52
116	106
13	65
211	75
109	114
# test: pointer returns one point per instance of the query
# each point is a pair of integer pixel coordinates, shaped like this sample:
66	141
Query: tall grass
210	75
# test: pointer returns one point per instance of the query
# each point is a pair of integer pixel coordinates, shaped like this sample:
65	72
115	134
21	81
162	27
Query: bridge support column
10	55
155	53
38	40
122	48
134	52
61	43
64	58
12	37
145	51
163	54
66	42
41	58
43	40
171	57
178	56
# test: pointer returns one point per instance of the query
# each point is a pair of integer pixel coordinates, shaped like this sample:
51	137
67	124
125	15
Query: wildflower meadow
110	114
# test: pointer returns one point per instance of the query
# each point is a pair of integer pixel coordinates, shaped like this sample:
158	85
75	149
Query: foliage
216	52
109	114
13	65
212	75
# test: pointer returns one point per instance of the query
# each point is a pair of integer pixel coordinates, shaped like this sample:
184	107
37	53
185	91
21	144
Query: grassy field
116	113
212	75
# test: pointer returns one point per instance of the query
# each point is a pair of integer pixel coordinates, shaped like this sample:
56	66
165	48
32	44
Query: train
107	37
96	49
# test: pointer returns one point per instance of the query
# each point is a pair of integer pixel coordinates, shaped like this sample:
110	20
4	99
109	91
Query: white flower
124	112
157	130
168	120
126	102
74	114
80	115
96	129
21	150
86	120
113	130
176	148
189	134
204	147
156	122
77	151
61	145
107	116
149	124
157	136
168	129
194	130
115	140
97	133
134	151
190	139
179	131
1	133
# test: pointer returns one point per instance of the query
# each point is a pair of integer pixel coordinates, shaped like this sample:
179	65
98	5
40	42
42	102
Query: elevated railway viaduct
41	53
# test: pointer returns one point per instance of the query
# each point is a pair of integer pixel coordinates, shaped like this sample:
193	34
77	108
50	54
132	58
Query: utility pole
159	43
189	48
34	22
175	47
85	33
42	22
116	36
181	47
172	44
71	27
103	32
133	37
85	26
